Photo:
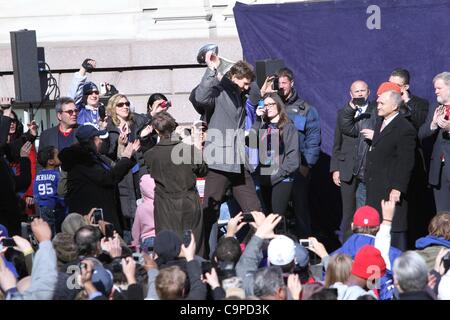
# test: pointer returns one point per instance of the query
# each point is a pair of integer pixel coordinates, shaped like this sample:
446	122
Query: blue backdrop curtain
328	45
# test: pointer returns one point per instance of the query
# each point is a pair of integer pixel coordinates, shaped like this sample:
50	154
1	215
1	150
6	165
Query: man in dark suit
420	197
348	160
437	125
62	135
390	159
416	107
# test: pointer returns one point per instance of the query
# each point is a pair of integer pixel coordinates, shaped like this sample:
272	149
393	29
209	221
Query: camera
305	243
446	262
166	104
247	217
206	267
276	84
8	242
103	89
187	238
98	215
139	258
109	230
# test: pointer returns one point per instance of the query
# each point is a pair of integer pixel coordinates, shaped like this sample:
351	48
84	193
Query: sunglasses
93	92
121	104
71	112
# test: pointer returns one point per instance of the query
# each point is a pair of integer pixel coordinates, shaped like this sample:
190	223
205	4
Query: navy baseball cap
88	131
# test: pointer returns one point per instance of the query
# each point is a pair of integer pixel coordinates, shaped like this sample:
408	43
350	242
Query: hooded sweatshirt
428	247
144	221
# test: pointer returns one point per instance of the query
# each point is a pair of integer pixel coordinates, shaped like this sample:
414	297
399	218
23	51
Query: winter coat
92	182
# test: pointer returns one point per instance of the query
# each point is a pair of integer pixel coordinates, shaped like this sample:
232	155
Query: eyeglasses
121	104
71	112
268	105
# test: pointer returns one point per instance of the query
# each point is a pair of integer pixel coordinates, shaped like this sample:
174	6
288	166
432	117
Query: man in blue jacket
306	119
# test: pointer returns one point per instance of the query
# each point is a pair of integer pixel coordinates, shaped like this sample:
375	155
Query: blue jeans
361	192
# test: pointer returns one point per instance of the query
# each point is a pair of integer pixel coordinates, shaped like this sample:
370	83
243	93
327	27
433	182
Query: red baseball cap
368	263
366	216
388	86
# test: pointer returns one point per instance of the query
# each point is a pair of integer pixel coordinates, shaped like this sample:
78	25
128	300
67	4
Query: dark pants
442	196
300	189
353	194
216	184
276	199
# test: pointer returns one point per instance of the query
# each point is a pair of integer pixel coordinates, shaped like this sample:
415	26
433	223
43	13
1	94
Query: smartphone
109	230
206	267
359	101
98	215
187	238
8	242
261	104
276	84
305	243
247	217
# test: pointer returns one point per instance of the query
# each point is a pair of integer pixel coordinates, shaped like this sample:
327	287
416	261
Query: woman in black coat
92	179
124	127
177	203
278	159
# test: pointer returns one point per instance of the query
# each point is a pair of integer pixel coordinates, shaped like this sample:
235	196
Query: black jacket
10	183
91	185
390	161
289	154
350	148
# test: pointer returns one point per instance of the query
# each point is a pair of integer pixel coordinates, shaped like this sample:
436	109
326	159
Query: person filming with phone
92	179
348	160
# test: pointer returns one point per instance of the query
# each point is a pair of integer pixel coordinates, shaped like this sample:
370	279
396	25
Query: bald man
349	153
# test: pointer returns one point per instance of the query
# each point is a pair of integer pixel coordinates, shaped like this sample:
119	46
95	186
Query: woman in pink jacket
143	230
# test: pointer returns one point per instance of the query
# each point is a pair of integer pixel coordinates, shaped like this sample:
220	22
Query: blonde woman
123	127
338	270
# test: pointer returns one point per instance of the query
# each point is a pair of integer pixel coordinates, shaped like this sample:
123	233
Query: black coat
129	186
441	147
91	185
10	184
390	161
349	147
177	203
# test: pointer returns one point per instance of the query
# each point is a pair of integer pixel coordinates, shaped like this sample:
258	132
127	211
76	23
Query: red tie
447	112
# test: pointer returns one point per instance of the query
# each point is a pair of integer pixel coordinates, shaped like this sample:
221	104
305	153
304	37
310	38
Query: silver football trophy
225	64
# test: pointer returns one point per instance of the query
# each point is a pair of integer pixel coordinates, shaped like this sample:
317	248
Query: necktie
358	112
447	112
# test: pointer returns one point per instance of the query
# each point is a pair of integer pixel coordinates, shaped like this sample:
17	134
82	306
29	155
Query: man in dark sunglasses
62	135
86	95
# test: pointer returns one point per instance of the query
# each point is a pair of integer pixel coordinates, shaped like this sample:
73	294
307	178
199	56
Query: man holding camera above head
306	119
348	160
87	96
225	100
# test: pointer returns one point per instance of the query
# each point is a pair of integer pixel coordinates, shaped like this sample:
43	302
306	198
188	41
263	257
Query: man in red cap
390	159
437	126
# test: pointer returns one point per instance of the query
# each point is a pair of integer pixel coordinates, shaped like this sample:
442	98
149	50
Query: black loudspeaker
24	51
265	68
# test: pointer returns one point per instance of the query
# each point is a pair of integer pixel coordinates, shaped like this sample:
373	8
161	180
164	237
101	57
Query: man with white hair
390	159
437	126
411	277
